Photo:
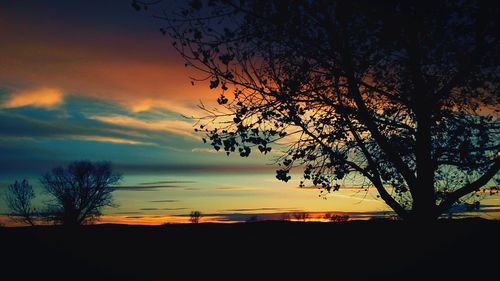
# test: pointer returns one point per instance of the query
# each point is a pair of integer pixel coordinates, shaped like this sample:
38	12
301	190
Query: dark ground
369	250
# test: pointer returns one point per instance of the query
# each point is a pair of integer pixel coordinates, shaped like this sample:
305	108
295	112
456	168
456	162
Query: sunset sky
97	80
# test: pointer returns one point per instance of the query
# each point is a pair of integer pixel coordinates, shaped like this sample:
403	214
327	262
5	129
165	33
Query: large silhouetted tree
79	191
400	94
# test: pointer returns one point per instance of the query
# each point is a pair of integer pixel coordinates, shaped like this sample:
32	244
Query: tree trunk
70	216
423	192
424	205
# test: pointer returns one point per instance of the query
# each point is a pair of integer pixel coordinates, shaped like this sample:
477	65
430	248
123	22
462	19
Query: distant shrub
195	217
339	218
336	218
301	216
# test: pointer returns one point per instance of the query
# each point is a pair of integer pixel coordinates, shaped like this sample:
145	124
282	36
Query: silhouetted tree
301	216
285	217
195	216
403	94
336	218
79	191
19	198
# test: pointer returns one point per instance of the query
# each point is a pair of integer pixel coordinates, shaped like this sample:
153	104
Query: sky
97	80
94	80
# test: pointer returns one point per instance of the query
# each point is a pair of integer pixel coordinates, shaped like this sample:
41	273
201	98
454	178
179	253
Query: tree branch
365	116
468	188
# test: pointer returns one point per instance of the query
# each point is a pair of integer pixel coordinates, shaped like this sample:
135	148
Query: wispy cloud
165	182
177	127
164	201
145	188
207	150
361	188
229	188
194	168
40	97
128	213
149	104
53	126
112	140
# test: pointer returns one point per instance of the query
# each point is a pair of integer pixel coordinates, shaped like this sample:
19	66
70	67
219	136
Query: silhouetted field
358	250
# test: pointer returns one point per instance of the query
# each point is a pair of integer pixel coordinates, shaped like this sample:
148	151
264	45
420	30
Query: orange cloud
42	97
151	104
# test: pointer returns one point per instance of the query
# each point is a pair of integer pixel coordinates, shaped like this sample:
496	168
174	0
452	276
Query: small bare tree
19	196
195	217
